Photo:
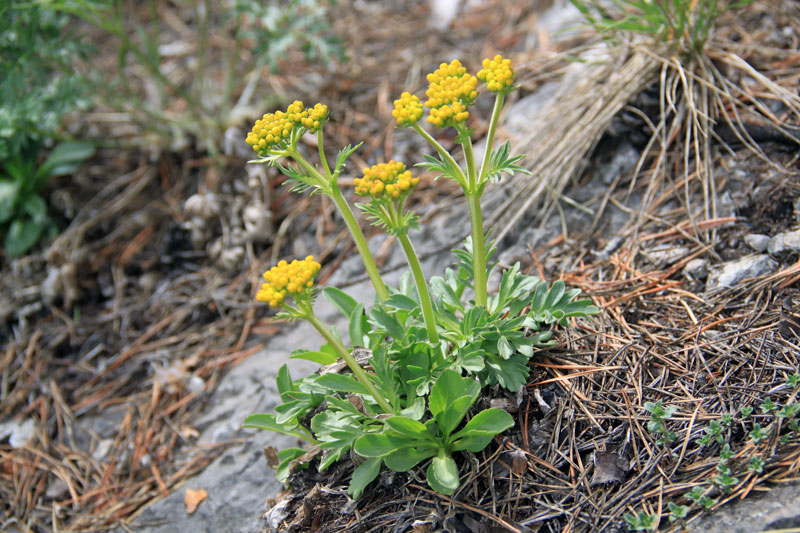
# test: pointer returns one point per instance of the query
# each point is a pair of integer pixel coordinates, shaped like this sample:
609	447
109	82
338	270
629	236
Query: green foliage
756	465
245	37
34	96
758	434
34	43
677	513
656	425
405	442
430	387
768	406
686	22
23	212
641	521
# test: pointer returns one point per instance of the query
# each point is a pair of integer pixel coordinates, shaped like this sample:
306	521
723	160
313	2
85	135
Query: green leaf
341	159
405	459
504	348
408	427
64	159
342	383
450	418
358	326
321	358
488	422
443	474
267	421
293	409
284	383
364	475
286	456
337	430
401	302
9	192
445	168
22	234
387	322
473	444
445	293
341	300
378	445
449	387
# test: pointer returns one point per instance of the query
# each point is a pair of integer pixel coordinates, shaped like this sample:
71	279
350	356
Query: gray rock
784	242
775	510
757	241
734	272
665	255
696	269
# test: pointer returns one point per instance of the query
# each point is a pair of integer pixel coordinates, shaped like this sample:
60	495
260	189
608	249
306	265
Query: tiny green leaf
443	474
321	358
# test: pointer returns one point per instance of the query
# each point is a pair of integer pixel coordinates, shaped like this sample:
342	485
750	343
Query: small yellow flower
451	90
498	74
274	129
315	117
295	279
407	109
390	180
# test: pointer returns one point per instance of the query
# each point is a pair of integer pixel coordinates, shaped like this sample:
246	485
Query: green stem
442	152
476	217
498	105
362	376
422	286
322	156
332	190
478	249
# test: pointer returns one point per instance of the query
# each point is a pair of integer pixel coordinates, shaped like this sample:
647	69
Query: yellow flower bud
295	278
498	74
390	180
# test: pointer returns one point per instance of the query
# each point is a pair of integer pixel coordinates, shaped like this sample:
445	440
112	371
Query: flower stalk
342	352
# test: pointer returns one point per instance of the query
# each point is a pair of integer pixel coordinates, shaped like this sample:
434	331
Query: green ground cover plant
423	352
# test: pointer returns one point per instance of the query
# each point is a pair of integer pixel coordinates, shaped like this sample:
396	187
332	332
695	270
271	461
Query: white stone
784	242
757	242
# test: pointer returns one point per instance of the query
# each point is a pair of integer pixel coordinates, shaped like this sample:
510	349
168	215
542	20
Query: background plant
687	22
185	99
34	97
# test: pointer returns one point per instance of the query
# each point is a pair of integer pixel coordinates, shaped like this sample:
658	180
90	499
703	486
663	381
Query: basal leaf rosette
407	110
386	181
498	74
452	89
295	279
274	130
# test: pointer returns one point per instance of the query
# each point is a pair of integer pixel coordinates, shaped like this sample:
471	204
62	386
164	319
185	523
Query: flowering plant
421	354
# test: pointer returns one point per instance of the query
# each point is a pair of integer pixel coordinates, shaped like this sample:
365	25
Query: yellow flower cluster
274	129
288	278
407	109
315	117
497	73
390	179
451	90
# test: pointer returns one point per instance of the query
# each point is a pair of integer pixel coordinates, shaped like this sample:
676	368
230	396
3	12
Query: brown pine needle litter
151	325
